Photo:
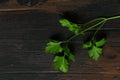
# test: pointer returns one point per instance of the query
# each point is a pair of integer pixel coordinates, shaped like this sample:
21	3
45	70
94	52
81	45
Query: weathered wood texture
23	37
47	5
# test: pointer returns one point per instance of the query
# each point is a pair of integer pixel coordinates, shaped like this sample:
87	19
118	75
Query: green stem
111	18
94	20
98	29
93	26
84	31
96	25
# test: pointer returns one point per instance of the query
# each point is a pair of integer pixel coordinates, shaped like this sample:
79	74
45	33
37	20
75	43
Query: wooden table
25	29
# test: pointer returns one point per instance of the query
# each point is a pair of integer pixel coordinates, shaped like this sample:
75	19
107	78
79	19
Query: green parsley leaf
95	52
100	43
71	26
53	47
65	22
61	63
68	53
87	44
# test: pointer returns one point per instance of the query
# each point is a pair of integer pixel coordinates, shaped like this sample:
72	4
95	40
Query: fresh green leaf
74	28
68	53
71	26
100	43
87	44
95	52
61	63
53	47
65	22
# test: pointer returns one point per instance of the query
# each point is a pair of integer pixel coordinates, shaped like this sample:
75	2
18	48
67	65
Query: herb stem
98	29
94	20
84	31
94	26
101	23
111	18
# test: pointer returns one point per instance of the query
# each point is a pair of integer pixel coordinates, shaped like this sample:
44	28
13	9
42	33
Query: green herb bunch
95	47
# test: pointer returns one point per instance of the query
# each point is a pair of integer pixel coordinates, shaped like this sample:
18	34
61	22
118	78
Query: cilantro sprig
60	49
94	48
60	62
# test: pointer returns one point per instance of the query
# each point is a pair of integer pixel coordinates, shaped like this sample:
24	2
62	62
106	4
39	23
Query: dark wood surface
23	36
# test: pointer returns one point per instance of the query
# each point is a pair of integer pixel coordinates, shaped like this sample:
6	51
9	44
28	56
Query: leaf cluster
58	47
60	62
61	49
95	48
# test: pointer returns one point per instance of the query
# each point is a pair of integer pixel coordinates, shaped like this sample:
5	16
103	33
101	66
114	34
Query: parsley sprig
95	48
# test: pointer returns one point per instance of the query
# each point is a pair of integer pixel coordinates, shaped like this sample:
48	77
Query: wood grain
24	31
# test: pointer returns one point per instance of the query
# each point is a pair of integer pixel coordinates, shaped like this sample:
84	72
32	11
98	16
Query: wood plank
90	7
22	50
23	37
46	5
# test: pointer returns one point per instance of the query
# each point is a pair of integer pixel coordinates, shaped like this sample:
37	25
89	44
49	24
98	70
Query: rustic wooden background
25	29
